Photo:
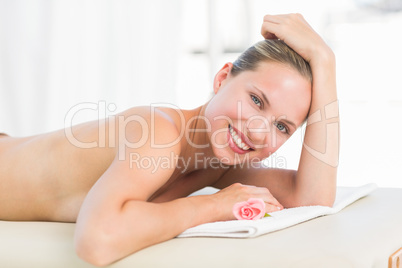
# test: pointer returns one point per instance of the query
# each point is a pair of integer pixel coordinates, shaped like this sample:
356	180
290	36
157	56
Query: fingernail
278	208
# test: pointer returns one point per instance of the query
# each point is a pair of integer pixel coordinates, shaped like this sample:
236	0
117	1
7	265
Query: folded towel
280	219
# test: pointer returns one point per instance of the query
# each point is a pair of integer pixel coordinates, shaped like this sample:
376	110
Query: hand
294	30
238	192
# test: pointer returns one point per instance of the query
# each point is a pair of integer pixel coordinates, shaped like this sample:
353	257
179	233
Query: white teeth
238	140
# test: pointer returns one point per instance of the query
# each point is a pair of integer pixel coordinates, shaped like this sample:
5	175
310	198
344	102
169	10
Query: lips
238	142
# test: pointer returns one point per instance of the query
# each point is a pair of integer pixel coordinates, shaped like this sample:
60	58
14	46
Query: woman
125	179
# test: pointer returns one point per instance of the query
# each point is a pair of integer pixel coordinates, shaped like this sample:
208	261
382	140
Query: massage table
363	234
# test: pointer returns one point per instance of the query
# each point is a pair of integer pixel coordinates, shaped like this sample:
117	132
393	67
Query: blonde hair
271	50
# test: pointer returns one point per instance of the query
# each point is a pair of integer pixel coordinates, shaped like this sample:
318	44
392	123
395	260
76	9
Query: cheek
280	140
220	112
274	142
218	116
268	150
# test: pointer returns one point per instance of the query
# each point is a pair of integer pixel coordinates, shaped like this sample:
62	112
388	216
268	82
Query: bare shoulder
143	118
144	136
147	130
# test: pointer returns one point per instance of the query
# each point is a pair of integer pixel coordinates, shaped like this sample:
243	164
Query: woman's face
254	113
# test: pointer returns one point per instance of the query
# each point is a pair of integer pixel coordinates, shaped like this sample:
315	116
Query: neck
196	149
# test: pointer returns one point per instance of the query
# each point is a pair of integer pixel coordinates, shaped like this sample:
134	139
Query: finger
268	35
268	30
282	18
272	18
269	198
274	202
265	194
271	208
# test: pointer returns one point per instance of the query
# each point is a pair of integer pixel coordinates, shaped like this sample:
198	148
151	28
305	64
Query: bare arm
116	220
315	180
316	176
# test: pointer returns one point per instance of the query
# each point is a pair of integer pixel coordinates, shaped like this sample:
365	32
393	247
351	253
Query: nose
258	130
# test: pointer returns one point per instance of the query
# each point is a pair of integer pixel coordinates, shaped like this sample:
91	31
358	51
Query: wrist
220	207
208	209
323	57
323	68
216	209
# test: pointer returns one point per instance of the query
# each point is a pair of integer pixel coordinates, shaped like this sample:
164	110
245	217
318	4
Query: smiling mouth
238	141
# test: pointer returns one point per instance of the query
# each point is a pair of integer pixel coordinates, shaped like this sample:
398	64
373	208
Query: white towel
280	219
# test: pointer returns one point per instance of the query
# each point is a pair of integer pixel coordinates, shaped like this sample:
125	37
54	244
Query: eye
281	127
256	100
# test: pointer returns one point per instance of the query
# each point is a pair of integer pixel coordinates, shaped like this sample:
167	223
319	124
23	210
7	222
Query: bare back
45	177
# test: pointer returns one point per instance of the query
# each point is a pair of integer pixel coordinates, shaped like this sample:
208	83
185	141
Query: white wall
56	54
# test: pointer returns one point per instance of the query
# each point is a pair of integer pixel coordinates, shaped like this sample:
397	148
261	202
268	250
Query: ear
221	76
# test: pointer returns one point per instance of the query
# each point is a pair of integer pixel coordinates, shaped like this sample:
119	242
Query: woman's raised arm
315	181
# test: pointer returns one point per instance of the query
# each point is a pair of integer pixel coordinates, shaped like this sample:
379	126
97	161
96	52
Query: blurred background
55	55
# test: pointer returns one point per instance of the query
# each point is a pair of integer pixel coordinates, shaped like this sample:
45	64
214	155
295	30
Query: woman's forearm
140	224
315	181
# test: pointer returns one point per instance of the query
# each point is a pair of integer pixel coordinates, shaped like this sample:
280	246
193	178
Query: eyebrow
290	123
267	101
263	95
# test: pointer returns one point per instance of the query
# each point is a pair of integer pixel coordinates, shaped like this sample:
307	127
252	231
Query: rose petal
252	209
258	213
247	213
237	209
257	201
258	206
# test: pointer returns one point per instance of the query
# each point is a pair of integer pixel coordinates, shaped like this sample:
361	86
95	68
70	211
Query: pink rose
252	209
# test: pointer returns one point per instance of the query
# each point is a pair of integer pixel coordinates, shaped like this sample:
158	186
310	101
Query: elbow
93	248
322	202
92	252
329	202
324	196
326	201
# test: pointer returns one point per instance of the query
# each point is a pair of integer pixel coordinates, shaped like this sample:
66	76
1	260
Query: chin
229	158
